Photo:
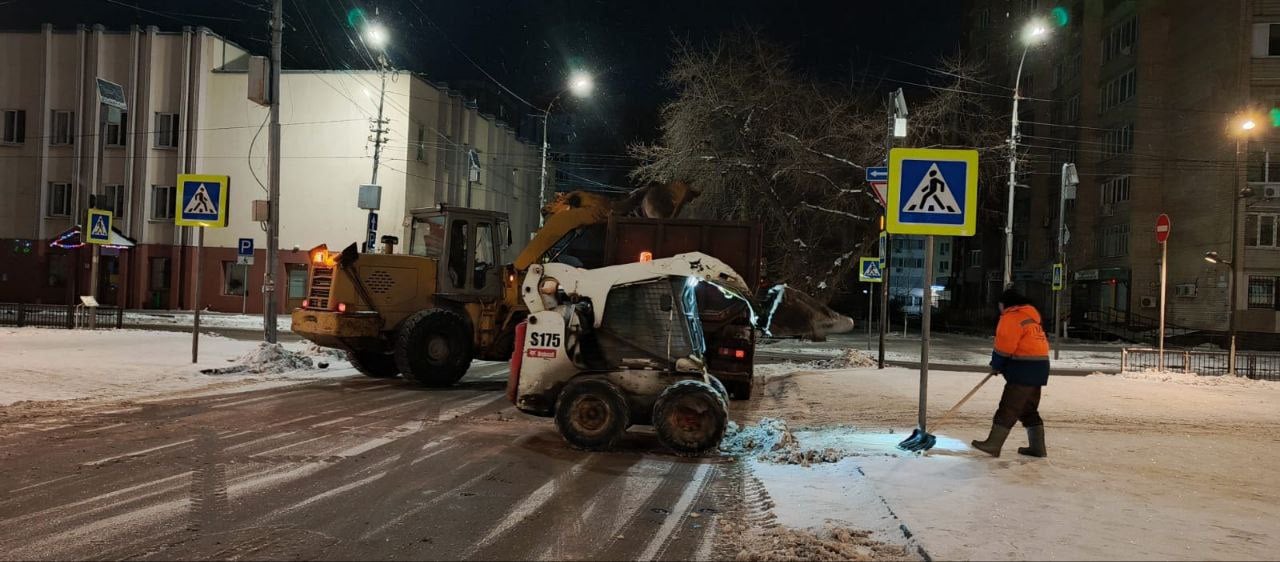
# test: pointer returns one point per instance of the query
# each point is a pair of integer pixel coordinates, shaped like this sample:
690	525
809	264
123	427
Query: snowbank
47	364
267	358
1194	379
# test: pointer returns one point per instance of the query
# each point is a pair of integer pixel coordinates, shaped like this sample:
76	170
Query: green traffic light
1060	16
1275	117
355	17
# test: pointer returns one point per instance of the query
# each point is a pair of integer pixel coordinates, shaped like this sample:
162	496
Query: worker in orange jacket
1021	354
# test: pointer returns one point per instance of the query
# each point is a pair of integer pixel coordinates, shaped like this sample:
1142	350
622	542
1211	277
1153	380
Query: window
1114	241
15	126
59	269
1072	113
1020	250
484	253
1260	230
117	132
1120	40
1117	91
63	127
113	198
944	248
1262	292
59	200
1185	290
1115	190
1266	40
458	254
422	140
975	258
1118	141
166	130
235	279
161	202
984	18
944	266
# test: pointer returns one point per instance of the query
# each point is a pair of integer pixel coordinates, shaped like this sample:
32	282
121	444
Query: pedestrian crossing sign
99	229
870	270
202	200
932	191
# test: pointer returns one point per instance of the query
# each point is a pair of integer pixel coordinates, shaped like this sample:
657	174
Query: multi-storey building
1148	100
188	112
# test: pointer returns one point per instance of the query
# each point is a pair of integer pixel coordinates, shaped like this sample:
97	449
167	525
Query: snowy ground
1141	466
207	319
47	364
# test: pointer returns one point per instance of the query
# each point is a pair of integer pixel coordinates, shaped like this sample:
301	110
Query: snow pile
267	358
848	359
771	440
1194	379
831	543
324	353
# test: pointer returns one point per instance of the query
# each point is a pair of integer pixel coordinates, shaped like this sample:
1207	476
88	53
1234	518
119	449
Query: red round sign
1162	228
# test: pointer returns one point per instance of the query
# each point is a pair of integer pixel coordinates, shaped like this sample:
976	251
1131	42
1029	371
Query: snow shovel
921	440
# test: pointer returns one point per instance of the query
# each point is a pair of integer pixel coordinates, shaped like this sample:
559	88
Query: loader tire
719	388
433	347
592	414
374	364
690	418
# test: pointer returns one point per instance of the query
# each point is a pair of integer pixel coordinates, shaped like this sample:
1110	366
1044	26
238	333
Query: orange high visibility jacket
1021	351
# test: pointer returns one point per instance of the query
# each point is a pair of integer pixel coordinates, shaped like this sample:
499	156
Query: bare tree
764	142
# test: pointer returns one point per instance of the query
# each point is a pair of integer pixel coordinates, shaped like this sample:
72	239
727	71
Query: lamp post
376	37
580	85
1242	129
1031	35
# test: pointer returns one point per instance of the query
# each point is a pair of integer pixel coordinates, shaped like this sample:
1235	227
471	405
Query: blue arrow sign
878	173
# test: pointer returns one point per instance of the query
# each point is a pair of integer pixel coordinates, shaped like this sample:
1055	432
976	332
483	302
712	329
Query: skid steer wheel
592	414
690	417
374	364
434	347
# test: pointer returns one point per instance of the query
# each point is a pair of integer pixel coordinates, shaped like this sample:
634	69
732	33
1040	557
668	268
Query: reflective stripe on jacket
1021	351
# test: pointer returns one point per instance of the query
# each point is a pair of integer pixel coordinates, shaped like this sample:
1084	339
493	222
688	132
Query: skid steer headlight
549	286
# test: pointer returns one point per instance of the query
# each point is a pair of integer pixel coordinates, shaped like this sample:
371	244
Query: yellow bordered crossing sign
932	191
870	270
202	200
98	230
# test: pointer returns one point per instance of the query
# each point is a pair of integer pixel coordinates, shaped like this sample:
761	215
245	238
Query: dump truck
447	299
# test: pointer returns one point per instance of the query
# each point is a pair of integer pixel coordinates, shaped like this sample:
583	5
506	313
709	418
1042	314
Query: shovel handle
966	398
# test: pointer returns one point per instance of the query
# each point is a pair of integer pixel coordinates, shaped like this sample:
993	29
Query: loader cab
468	245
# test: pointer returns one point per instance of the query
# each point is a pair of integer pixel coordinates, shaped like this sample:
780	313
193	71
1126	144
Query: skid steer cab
425	314
607	348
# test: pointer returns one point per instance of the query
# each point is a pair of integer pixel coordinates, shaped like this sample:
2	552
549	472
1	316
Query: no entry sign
1162	228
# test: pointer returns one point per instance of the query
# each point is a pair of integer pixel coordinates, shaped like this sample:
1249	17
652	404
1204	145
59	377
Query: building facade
188	112
1147	99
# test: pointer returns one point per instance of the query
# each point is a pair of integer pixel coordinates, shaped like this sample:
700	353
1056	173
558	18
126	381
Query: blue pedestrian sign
245	248
99	229
869	270
933	192
202	200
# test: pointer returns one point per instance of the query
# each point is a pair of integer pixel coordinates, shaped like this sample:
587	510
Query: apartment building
188	112
1147	98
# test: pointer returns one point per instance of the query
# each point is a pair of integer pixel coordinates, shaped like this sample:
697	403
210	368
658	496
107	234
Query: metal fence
1252	364
60	316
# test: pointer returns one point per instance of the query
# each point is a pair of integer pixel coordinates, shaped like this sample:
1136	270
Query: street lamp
376	36
1242	129
1035	32
580	85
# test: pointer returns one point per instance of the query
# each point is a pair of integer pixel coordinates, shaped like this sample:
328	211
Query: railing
1126	325
60	316
1251	364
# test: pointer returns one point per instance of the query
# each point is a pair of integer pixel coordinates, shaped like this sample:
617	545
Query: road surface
345	469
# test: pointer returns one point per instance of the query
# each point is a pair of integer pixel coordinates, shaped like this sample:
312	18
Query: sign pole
884	294
195	305
1164	269
870	312
926	309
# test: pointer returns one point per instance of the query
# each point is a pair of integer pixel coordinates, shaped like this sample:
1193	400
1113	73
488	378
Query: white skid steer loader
607	348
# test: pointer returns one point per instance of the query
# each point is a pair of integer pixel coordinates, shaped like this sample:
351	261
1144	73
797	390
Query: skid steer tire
433	347
374	364
690	418
592	414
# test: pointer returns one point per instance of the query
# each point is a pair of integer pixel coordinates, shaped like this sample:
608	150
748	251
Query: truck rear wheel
592	414
374	364
433	347
690	417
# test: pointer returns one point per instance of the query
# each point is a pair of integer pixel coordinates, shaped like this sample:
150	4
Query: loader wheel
374	364
434	347
719	388
690	417
592	414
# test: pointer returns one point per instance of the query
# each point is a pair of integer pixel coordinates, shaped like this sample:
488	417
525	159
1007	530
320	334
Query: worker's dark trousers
1019	403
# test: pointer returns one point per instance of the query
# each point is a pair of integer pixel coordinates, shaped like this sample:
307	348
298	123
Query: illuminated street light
376	36
1033	33
1213	257
1248	125
581	84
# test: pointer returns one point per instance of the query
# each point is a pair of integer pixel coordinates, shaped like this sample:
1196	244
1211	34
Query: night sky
529	46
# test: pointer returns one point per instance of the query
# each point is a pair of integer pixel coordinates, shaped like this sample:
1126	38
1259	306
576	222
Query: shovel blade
918	441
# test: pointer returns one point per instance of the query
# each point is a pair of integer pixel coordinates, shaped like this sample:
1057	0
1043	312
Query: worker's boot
994	441
1035	438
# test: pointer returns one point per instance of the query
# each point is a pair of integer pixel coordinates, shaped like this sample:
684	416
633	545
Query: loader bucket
792	313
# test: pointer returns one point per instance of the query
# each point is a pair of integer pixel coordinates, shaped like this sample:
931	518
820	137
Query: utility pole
379	128
273	183
1070	179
